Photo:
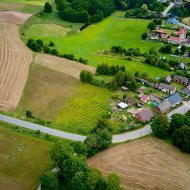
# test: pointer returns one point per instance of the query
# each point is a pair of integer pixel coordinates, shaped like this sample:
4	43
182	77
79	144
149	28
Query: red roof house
144	116
181	33
144	97
174	40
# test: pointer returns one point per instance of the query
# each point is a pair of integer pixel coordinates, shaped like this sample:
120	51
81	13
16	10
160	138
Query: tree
49	181
54	52
144	36
144	9
51	44
79	148
29	114
120	78
177	121
183	49
101	184
160	126
151	26
104	139
47	50
166	49
47	7
113	182
153	51
40	42
86	76
181	138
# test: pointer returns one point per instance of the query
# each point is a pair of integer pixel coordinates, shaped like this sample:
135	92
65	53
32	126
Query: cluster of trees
166	49
178	129
84	10
75	173
182	50
183	10
127	52
39	46
47	7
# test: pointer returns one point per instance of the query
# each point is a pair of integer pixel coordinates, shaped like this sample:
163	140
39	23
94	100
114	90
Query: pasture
22	158
103	35
147	163
30	2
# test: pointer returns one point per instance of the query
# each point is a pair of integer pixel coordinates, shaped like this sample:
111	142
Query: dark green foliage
86	76
79	148
177	121
101	184
183	49
113	182
153	51
166	49
49	181
120	78
34	45
29	114
54	52
47	50
40	42
51	44
102	124
151	26
181	138
144	36
47	7
160	126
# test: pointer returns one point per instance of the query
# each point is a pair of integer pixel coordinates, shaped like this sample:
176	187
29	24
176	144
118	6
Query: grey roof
175	98
181	66
145	114
186	90
164	106
167	87
181	79
168	79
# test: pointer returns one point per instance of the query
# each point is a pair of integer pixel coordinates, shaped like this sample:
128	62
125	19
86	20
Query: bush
144	36
166	49
54	52
47	7
86	76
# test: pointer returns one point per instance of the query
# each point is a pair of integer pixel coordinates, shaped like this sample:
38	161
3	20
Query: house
144	115
141	89
164	36
122	105
173	20
144	98
186	90
181	66
186	42
163	107
180	79
181	33
167	88
174	40
124	88
175	99
130	101
167	79
155	98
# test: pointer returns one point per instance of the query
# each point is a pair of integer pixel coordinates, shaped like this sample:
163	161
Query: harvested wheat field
146	164
66	66
15	60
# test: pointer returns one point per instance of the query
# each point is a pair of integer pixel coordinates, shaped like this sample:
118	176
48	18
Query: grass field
31	2
111	31
82	112
147	163
22	159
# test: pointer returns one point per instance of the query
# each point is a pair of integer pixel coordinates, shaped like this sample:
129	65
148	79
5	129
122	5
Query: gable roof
175	39
143	97
181	66
175	98
145	114
167	87
168	78
164	106
182	79
186	90
130	101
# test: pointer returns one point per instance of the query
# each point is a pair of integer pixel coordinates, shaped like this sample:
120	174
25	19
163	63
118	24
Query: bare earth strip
14	17
15	60
146	164
69	67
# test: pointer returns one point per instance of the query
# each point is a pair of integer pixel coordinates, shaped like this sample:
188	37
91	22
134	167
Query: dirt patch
146	164
14	17
11	6
47	92
186	21
15	60
66	66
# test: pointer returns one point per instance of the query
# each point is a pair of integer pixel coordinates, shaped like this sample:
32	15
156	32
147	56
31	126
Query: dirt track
15	60
72	68
146	164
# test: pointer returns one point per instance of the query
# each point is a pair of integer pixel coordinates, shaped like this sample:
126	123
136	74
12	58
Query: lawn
31	2
22	159
83	111
111	31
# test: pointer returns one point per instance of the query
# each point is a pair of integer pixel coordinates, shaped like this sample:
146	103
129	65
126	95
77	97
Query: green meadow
31	2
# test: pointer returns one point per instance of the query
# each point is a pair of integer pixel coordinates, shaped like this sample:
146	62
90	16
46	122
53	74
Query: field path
63	65
15	59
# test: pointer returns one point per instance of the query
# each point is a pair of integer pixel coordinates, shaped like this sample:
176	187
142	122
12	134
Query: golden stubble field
146	164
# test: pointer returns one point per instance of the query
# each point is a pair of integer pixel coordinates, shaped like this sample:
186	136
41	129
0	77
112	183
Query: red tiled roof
145	115
164	35
181	31
144	97
174	39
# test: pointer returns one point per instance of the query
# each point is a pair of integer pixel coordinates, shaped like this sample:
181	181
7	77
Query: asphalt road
146	130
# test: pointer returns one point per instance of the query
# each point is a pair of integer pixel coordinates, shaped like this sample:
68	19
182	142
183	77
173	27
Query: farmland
22	158
30	2
147	163
13	76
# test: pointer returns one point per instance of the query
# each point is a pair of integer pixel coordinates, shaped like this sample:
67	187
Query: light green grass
22	159
31	2
83	111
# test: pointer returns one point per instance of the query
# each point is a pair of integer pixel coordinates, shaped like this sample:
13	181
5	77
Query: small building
124	88
181	33
163	107
144	115
180	79
164	36
186	90
174	40
144	98
167	88
130	101
167	79
141	89
155	98
186	42
122	105
181	66
175	99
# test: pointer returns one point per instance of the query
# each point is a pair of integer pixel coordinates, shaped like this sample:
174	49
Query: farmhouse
130	101
167	88
167	79
181	33
144	98
163	107
174	40
144	115
175	99
180	79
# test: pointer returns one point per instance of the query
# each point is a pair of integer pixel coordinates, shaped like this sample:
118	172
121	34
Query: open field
146	164
22	159
66	66
31	2
15	60
111	31
46	92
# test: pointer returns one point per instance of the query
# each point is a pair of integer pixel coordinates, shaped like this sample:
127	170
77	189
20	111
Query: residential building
175	99
186	90
181	33
167	88
174	40
130	101
167	79
163	107
181	66
144	98
180	79
144	115
122	105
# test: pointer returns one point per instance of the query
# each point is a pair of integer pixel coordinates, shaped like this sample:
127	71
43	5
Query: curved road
146	130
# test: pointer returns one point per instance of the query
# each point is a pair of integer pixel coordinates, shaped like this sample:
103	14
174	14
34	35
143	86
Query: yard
22	158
